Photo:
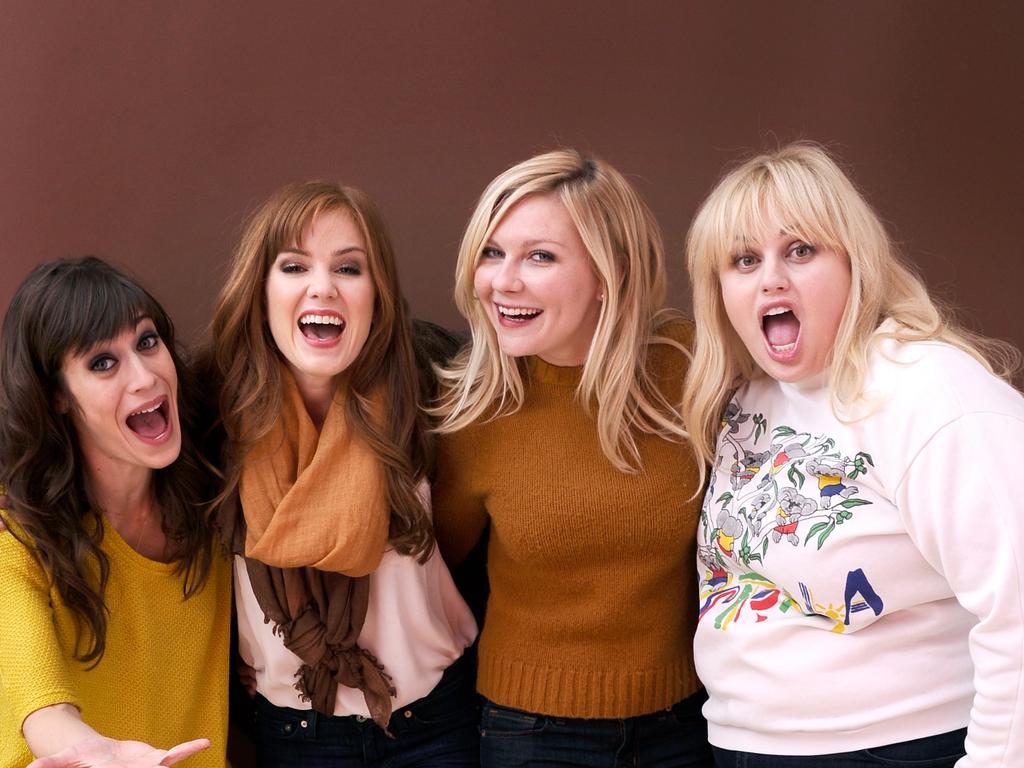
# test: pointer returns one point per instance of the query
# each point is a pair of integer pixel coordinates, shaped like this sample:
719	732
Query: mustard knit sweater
592	606
163	678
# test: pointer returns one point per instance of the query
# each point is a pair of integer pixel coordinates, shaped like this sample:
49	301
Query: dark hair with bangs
62	307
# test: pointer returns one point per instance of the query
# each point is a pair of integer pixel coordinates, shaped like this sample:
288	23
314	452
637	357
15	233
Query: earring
600	296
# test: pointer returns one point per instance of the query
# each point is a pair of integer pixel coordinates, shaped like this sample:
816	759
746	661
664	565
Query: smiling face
122	398
785	299
320	301
535	281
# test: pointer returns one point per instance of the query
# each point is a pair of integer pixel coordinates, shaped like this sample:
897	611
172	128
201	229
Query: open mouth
321	327
516	315
150	422
781	329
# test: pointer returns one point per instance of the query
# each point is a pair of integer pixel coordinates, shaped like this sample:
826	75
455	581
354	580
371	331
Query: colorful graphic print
795	492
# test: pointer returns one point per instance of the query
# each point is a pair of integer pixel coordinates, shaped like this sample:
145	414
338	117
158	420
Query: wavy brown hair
67	307
247	361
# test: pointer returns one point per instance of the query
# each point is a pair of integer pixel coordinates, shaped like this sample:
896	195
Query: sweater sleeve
459	513
34	669
962	507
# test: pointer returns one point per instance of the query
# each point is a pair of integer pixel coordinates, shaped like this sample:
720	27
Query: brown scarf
313	525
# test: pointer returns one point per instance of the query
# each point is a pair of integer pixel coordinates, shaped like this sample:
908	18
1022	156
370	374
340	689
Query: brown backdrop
142	132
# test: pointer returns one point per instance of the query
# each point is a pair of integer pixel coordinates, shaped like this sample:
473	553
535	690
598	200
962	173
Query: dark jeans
677	736
438	730
940	751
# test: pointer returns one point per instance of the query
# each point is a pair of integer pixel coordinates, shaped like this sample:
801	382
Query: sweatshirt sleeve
963	507
459	513
34	670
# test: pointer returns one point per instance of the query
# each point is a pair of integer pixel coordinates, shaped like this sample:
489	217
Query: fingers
50	762
247	677
180	752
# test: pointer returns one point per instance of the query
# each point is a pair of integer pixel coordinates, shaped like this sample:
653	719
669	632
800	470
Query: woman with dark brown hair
115	605
347	616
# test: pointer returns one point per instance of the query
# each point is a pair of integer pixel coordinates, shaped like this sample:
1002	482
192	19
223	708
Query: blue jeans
510	738
941	751
438	730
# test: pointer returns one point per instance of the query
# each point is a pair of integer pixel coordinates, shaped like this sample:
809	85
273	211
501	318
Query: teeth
776	311
784	347
320	320
147	410
518	311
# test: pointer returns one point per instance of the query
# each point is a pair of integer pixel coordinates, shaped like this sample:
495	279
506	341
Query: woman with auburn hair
115	606
861	599
562	435
346	613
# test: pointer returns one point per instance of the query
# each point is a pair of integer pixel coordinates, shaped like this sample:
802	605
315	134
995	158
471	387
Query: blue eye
148	340
102	363
543	257
491	253
744	261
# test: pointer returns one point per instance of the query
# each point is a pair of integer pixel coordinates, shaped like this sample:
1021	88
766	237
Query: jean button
360	719
304	723
408	713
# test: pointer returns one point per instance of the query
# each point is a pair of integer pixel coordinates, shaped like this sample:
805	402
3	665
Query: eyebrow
340	252
530	243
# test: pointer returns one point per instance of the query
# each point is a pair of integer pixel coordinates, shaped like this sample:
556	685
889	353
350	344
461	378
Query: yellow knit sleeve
34	671
459	514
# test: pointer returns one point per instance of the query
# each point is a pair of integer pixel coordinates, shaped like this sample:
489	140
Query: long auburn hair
804	188
247	360
67	307
626	253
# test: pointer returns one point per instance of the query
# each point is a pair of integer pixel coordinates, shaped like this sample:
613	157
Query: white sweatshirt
861	579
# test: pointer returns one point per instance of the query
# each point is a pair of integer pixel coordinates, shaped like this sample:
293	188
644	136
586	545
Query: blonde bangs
776	194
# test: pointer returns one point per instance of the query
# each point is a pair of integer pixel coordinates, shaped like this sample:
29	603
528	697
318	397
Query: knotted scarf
313	524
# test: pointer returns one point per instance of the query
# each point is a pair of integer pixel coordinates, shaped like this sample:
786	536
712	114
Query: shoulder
19	560
678	329
468	440
937	377
670	350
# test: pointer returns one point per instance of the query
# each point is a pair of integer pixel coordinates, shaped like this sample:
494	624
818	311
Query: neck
316	396
125	497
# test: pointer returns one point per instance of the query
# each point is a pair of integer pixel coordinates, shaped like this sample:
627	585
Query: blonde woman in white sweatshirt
862	537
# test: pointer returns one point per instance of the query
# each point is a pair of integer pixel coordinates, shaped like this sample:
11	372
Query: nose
774	276
507	279
142	376
321	283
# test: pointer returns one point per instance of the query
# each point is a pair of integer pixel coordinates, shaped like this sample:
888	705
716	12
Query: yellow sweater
593	586
163	678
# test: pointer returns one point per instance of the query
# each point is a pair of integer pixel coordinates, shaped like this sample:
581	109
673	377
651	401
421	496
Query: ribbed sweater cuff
585	693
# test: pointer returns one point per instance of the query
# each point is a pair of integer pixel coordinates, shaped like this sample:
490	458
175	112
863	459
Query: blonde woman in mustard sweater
562	436
115	606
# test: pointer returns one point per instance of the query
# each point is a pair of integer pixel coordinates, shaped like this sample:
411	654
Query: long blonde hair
625	248
247	359
803	188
